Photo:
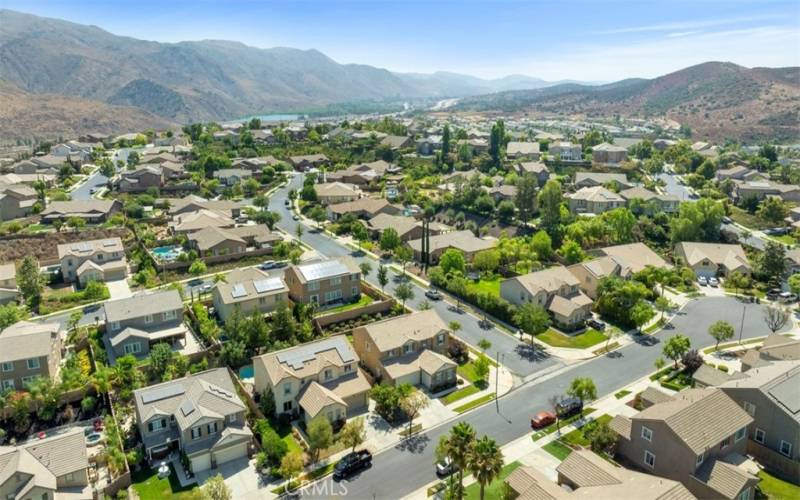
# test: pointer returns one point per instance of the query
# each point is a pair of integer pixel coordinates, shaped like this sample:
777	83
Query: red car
542	419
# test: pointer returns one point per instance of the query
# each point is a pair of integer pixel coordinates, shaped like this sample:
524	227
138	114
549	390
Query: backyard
581	341
147	484
490	286
777	489
363	301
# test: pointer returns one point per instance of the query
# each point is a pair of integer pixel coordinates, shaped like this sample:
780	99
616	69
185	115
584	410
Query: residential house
776	347
190	222
589	273
29	179
696	437
737	173
427	146
16	201
9	292
609	154
566	151
136	323
713	259
361	174
144	177
548	136
536	168
192	203
334	281
307	162
249	290
769	394
264	136
363	208
199	415
408	350
235	242
637	256
555	289
158	158
29	350
762	189
465	241
171	171
793	261
92	211
503	192
408	228
95	260
231	176
317	378
226	135
516	150
397	142
594	200
256	165
53	467
331	193
591	179
652	202
663	144
585	475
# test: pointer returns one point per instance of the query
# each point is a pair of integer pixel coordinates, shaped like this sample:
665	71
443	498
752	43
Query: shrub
723	368
274	447
458	351
692	360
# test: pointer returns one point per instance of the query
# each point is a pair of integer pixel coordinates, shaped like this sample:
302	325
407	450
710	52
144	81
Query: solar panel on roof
322	270
109	243
162	393
238	291
268	285
298	356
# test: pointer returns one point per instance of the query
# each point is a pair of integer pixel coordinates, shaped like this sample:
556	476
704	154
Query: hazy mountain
717	100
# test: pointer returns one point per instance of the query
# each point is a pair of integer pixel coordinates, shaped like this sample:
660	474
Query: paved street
95	181
673	187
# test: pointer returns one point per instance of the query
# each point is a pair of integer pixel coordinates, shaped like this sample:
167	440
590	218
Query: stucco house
465	241
250	290
594	200
713	259
609	154
331	193
95	260
29	350
16	201
335	281
9	292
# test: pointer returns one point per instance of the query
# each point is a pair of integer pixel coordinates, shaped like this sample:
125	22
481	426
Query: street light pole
497	381
741	327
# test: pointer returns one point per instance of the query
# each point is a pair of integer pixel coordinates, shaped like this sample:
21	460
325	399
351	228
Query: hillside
45	116
717	100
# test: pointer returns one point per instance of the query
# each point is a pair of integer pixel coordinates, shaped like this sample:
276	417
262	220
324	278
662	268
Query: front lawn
578	436
557	449
363	301
474	403
581	341
493	489
147	484
777	489
460	394
491	286
467	371
748	220
621	394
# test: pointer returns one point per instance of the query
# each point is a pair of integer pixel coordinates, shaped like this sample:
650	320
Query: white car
713	282
702	281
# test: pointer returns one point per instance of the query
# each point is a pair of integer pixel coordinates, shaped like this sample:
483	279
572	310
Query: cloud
687	25
679	34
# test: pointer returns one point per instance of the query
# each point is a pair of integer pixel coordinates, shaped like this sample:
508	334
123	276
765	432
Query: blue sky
570	39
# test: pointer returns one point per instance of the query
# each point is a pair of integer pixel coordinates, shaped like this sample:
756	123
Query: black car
352	463
774	293
569	407
596	324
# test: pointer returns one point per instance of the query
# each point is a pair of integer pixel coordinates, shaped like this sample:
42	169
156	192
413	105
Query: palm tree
102	380
485	461
462	437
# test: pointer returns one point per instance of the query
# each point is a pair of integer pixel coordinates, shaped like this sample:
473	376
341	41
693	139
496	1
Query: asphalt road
95	181
510	419
518	357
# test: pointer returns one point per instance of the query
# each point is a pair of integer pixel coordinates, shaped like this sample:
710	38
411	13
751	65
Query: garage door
411	378
201	463
356	402
231	453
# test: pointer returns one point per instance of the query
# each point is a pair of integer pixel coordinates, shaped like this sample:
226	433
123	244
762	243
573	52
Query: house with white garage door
200	415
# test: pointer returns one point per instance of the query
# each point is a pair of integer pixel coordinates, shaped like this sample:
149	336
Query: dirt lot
44	245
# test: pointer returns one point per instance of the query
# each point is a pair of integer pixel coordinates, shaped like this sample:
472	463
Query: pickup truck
352	463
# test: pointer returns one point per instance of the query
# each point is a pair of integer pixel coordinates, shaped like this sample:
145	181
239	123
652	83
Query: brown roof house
199	415
698	437
95	260
192	203
9	292
408	350
249	290
637	256
363	208
555	289
306	162
590	272
189	222
54	467
465	241
713	259
594	200
395	142
16	201
331	193
27	351
516	150
231	176
590	179
330	282
536	168
361	174
565	151
235	242
775	347
141	179
649	201
408	228
92	211
318	378
609	154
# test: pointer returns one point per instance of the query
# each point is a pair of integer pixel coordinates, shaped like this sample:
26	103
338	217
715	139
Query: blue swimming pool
167	253
246	372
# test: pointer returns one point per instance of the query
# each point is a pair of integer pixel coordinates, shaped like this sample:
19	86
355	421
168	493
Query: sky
556	40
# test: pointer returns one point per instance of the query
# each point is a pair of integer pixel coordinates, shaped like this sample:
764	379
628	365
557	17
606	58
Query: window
409	347
27	380
315	299
744	495
440	339
232	418
132	348
348	368
8	384
287	388
156	425
354	290
169	315
336	281
760	435
314	285
99	256
649	459
786	448
647	434
211	428
750	408
725	443
8	366
700	459
354	277
33	364
148	319
69	263
196	432
287	406
328	374
740	434
262	300
115	325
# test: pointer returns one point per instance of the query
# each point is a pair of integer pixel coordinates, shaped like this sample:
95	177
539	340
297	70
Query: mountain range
73	76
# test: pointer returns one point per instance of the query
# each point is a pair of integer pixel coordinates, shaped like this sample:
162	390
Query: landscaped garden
490	286
580	341
777	489
363	301
493	489
147	484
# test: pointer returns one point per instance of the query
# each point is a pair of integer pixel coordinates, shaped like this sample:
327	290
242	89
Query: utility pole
497	381
741	327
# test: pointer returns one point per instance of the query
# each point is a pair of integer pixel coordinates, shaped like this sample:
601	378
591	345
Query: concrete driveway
241	477
119	289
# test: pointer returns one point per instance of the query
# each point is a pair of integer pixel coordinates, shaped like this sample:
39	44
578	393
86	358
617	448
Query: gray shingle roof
142	305
24	340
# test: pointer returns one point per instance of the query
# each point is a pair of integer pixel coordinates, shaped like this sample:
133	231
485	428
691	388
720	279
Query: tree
320	435
485	461
775	317
486	261
641	313
603	440
794	283
389	239
291	466
161	355
197	268
403	254
542	244
412	403
462	438
771	265
318	215
583	388
697	221
76	222
549	203
274	447
663	305
9	314
525	199
216	489
387	400
506	209
676	346
532	319
692	360
773	210
298	231
484	344
571	251
720	331
445	141
453	260
102	380
353	433
29	280
383	276
659	363
404	292
481	368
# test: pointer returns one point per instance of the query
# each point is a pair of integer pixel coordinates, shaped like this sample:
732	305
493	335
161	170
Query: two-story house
769	394
51	468
590	179
408	349
95	260
231	176
713	259
16	201
650	202
200	415
27	351
591	272
594	200
335	281
317	378
331	193
248	290
697	437
609	154
556	289
565	151
141	179
136	323
9	292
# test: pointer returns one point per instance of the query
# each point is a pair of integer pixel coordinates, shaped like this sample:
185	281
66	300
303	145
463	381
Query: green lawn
722	347
285	432
586	339
783	238
467	371
557	449
493	489
748	220
492	287
363	301
475	402
777	489
622	394
148	485
655	326
578	436
460	394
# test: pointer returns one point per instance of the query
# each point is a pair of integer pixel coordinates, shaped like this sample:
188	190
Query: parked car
206	287
433	294
446	467
702	281
295	217
727	220
287	202
774	293
542	419
352	463
787	297
713	282
267	265
596	324
92	308
92	191
569	407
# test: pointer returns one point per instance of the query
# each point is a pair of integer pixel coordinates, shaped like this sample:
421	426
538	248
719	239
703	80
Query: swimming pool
167	253
246	372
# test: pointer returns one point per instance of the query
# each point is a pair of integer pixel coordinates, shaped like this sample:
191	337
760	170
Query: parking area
119	289
241	477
